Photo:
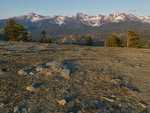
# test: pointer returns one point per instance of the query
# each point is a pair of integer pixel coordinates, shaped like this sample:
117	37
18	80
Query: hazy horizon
13	8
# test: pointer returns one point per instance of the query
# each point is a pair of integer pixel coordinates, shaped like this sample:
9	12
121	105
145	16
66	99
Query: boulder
59	68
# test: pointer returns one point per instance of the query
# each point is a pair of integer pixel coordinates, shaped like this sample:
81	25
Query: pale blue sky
10	8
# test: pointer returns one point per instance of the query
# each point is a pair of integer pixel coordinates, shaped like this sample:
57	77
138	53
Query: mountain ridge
81	23
94	21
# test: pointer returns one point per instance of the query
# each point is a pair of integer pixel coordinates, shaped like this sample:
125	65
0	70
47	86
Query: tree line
16	32
133	40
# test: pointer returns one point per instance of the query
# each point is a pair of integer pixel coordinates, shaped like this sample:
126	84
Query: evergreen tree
29	36
48	39
89	41
114	41
15	31
133	40
43	36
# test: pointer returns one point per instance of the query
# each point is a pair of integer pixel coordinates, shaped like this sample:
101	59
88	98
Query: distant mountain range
82	23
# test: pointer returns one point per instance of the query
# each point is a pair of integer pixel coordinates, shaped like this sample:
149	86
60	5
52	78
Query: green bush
114	41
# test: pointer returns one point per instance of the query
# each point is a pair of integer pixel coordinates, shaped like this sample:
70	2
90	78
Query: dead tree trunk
128	41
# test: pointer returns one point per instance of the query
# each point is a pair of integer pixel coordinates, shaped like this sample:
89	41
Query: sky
11	8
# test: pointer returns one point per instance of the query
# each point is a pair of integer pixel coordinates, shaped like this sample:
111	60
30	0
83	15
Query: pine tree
114	41
15	31
29	36
133	40
43	36
48	39
89	41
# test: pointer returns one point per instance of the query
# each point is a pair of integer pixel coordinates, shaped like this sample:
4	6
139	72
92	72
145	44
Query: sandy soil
101	79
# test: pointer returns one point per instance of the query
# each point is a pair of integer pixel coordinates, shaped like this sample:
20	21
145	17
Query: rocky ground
47	78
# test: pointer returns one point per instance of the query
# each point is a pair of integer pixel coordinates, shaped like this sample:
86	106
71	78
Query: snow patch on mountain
35	17
60	20
94	21
89	20
145	19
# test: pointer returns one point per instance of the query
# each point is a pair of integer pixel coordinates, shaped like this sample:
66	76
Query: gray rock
59	68
65	73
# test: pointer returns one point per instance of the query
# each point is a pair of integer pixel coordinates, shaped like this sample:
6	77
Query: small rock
39	68
142	105
49	73
16	109
113	96
116	81
110	100
31	88
62	102
120	105
1	105
31	73
22	72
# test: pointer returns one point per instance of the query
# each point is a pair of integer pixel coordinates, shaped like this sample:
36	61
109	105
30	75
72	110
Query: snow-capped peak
95	21
35	17
31	14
